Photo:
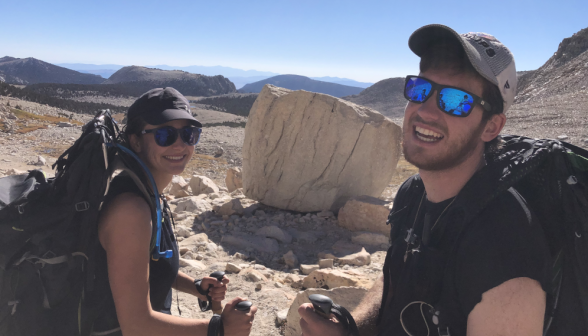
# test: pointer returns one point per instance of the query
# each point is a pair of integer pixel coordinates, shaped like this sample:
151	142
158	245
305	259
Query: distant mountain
343	81
216	70
187	83
295	82
242	81
386	97
25	71
566	72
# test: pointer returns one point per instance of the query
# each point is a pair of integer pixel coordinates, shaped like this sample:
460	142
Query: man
451	269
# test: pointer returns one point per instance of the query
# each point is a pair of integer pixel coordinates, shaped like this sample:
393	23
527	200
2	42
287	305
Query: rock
254	242
357	259
370	239
325	214
183	250
274	232
192	263
258	287
65	124
194	204
325	263
232	268
307	152
40	161
183	232
331	278
290	259
194	241
234	179
347	297
14	172
293	280
365	213
202	185
307	269
303	236
252	275
240	256
281	317
179	187
219	151
227	206
562	137
211	247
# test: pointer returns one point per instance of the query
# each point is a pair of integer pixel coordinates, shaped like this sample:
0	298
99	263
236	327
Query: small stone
183	250
281	317
325	214
252	275
258	287
40	161
234	179
290	259
183	232
278	285
357	259
232	268
14	172
306	269
202	185
192	263
562	137
211	247
274	232
325	263
241	256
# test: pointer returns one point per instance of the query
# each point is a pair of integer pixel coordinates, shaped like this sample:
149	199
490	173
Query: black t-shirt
162	272
503	242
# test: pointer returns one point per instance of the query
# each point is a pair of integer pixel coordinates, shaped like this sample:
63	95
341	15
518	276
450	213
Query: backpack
552	177
49	236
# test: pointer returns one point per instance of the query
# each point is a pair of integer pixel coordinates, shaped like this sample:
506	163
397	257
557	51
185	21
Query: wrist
198	291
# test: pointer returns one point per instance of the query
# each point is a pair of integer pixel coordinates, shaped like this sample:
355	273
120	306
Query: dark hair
448	53
133	126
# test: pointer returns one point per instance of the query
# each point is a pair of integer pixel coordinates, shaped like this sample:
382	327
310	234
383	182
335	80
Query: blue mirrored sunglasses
451	100
167	135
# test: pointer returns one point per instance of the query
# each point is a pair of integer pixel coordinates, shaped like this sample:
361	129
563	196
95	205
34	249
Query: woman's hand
217	289
235	322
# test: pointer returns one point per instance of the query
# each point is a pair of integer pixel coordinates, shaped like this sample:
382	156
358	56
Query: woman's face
170	160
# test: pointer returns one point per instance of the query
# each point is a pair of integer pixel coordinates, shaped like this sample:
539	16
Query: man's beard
456	151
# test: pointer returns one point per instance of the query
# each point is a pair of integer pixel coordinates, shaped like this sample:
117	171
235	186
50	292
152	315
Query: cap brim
169	115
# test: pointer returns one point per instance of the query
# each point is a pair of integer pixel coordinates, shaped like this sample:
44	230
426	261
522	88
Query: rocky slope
386	97
187	83
24	71
566	72
295	82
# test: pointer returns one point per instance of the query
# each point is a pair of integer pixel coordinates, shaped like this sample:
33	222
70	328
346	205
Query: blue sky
363	40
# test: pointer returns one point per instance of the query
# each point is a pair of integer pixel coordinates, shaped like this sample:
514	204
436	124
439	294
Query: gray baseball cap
158	106
491	59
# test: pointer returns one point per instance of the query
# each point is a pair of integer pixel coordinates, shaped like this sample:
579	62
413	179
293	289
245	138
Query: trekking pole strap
215	326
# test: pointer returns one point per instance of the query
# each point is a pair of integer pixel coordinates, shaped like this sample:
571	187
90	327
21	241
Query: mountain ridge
297	82
25	71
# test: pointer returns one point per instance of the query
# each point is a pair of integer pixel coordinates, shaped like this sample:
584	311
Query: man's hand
314	325
218	289
235	322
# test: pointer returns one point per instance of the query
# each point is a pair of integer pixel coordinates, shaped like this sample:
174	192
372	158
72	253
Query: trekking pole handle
244	306
322	305
217	307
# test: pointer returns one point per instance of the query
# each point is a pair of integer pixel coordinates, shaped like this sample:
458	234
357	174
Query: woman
163	133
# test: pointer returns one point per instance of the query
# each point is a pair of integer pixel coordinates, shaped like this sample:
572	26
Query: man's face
434	140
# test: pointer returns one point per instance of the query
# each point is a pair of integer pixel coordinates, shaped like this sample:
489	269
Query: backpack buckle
443	332
82	206
20	208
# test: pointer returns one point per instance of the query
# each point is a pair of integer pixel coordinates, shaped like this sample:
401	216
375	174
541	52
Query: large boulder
365	213
348	297
307	151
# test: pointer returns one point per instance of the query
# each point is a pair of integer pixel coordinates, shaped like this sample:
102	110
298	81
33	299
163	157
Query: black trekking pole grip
324	306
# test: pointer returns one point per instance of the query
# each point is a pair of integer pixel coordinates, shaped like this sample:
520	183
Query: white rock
365	213
195	241
227	206
255	242
308	152
333	278
356	259
290	259
194	204
183	232
192	263
232	268
234	179
65	124
14	172
274	232
562	137
40	161
281	317
179	187
202	185
370	239
211	247
307	269
325	263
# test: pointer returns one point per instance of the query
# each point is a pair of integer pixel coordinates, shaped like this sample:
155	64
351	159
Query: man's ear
135	143
493	127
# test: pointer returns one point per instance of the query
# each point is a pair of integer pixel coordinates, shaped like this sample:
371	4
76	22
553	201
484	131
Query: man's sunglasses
451	100
167	135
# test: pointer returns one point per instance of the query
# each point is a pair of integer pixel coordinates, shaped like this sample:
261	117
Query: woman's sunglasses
167	135
451	100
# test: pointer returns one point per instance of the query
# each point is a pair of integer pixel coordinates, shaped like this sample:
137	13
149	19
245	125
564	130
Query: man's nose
429	109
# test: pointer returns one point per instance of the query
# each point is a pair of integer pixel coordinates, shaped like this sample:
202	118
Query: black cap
158	106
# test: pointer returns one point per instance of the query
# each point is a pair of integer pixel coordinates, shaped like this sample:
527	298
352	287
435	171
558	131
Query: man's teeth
174	157
427	135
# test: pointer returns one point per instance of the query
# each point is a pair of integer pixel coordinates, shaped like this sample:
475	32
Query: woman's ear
135	143
493	127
